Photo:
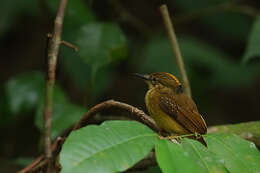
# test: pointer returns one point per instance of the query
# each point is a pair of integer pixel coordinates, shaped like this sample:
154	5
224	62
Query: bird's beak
142	76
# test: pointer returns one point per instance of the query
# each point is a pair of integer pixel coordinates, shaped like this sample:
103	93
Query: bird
173	111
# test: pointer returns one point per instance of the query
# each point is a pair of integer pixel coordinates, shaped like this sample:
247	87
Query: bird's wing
190	119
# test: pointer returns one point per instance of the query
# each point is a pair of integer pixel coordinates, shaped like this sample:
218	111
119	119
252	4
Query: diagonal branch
249	130
42	162
175	47
122	106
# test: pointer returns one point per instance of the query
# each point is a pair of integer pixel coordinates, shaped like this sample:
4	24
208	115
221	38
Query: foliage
238	155
65	114
25	93
221	70
101	44
118	145
103	47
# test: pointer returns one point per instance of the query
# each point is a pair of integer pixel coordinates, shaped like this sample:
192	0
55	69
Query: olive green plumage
173	111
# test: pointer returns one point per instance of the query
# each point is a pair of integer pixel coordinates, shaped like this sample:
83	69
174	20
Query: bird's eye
154	79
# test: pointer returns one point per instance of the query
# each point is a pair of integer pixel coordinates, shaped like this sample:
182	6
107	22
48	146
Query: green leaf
237	154
101	43
76	69
171	157
114	146
24	91
207	160
64	115
80	73
252	49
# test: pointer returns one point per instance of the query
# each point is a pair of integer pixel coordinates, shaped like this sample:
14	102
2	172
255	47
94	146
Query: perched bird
173	111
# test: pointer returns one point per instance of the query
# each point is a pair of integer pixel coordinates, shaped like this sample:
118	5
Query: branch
75	48
249	131
115	104
41	162
175	48
65	43
53	50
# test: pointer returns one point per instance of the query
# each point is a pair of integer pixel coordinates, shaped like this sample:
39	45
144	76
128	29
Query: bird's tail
200	139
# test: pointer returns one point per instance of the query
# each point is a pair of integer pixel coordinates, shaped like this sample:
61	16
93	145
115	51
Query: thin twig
40	161
53	51
175	48
65	43
32	165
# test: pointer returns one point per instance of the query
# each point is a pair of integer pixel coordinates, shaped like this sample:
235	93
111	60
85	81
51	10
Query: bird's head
162	79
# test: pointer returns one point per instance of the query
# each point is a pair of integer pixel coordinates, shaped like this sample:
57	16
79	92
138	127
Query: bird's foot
169	137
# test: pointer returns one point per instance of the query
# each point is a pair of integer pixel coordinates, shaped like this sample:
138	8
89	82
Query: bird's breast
164	121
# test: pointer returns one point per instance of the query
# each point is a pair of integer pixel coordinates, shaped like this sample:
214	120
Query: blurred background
219	41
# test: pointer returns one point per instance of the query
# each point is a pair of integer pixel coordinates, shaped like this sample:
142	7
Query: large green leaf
225	153
100	44
64	115
253	48
114	146
207	161
172	157
24	91
237	154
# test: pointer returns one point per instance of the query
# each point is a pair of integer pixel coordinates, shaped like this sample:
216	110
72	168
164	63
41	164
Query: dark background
213	37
